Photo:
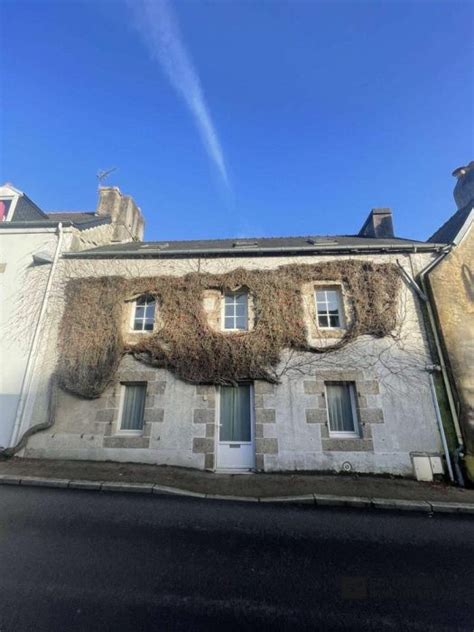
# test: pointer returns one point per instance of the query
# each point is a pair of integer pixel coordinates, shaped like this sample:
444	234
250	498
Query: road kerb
44	482
141	488
245	499
175	491
306	499
9	479
406	505
319	499
444	507
329	500
83	484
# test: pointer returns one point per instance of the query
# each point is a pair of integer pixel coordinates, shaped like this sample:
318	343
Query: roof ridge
70	212
447	236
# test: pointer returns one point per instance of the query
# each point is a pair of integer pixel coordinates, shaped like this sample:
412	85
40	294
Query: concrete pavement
88	561
319	489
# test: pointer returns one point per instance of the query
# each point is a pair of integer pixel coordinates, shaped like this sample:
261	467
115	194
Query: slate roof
450	229
253	245
27	210
82	220
78	217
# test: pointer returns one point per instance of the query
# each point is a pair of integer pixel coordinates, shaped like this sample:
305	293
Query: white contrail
159	29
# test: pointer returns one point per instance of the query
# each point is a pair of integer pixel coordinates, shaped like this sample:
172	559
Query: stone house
328	402
450	283
32	242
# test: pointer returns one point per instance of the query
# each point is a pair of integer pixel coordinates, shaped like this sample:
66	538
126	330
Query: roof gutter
157	252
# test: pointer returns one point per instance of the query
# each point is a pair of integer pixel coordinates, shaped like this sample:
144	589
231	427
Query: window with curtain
144	314
235	413
342	412
236	310
133	407
328	308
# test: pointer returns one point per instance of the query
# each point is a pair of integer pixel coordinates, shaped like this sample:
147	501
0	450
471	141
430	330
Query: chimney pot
464	189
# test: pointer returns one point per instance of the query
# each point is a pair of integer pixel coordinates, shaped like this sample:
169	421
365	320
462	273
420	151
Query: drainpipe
26	384
442	362
440	421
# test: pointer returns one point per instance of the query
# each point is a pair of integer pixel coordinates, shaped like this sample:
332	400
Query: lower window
342	409
133	407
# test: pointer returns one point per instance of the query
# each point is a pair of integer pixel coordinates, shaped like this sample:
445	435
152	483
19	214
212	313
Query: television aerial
104	173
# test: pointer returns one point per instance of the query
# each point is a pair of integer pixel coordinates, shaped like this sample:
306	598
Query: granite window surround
108	410
368	407
214	309
132	335
325	335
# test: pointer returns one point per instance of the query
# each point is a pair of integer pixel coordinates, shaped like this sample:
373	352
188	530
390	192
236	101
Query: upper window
133	407
144	314
329	308
342	410
236	311
4	209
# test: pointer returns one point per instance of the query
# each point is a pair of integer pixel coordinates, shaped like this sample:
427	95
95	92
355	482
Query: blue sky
248	118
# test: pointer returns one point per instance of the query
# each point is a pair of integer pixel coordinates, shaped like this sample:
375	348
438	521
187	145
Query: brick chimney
378	225
127	219
464	189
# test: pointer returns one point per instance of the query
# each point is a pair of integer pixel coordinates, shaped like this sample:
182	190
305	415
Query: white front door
235	436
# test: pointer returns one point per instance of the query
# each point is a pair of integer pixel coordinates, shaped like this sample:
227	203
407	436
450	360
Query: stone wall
291	433
290	424
452	284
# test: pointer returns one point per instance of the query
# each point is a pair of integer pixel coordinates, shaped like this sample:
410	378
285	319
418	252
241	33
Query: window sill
344	435
140	332
235	331
323	333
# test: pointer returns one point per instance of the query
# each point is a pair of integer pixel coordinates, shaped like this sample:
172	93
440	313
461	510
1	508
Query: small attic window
155	246
5	205
320	242
245	244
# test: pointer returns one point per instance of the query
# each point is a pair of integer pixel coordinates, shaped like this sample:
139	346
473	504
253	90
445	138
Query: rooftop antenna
103	173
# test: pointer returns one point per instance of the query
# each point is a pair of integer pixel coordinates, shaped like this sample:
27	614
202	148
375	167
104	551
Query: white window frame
340	306
132	317
123	431
13	199
224	328
344	434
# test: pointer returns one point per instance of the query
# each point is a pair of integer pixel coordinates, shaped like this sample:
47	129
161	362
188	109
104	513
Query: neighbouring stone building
330	401
31	245
451	283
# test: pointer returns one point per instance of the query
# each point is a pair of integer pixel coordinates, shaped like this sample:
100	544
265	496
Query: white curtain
133	407
235	413
341	416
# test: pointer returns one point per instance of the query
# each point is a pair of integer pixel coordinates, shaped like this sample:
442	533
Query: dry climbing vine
92	342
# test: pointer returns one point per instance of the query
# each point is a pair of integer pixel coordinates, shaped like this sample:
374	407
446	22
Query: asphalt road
73	560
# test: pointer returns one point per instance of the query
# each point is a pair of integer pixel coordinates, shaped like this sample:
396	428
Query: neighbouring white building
31	244
348	386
